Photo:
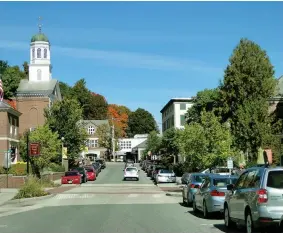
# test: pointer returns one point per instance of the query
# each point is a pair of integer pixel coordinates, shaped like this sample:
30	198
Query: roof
94	122
173	100
141	145
45	88
39	37
5	107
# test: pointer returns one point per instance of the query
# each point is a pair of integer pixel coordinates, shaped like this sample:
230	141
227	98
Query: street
97	207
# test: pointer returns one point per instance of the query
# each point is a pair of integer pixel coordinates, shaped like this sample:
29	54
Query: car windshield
275	179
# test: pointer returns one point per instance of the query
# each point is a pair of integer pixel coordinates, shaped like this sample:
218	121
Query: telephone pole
113	140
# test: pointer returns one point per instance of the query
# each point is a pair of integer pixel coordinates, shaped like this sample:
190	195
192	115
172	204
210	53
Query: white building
126	145
173	113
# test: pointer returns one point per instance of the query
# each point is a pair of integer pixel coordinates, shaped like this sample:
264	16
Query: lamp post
62	150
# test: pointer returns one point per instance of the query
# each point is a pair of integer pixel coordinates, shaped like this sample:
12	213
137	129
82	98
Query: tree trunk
35	169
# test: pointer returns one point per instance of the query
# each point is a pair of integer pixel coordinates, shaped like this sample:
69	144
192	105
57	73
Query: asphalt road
109	205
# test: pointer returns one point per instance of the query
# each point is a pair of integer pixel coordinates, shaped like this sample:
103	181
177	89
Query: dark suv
102	162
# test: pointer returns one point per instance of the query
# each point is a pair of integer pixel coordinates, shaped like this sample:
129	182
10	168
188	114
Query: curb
173	194
27	200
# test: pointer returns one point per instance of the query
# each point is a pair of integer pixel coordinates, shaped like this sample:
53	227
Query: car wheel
227	219
249	223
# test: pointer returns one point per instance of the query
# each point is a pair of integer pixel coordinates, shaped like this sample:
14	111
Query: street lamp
62	151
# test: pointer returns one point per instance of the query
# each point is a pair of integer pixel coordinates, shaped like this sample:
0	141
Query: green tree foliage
63	117
3	66
98	107
206	144
248	83
103	132
11	78
153	143
26	69
207	99
49	148
66	90
141	122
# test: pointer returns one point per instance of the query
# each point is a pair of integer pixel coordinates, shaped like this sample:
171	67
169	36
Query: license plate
70	182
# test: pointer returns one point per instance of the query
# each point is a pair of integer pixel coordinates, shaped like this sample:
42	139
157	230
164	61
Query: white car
131	173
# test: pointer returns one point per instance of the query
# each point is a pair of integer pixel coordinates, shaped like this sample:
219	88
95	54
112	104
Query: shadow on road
222	228
212	216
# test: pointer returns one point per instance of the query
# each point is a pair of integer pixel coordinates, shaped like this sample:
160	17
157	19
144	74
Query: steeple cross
39	24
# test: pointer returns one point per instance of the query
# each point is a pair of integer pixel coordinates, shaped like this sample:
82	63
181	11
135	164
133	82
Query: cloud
123	58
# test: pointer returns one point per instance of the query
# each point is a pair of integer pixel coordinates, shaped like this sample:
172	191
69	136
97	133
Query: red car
71	177
91	174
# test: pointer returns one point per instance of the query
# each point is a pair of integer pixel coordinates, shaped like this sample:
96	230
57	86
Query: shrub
19	169
32	188
56	167
46	183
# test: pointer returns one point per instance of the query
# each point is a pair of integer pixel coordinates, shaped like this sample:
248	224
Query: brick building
9	131
39	91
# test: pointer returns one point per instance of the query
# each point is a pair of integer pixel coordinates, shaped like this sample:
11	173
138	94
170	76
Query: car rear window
275	179
130	169
199	178
89	169
71	173
165	171
223	182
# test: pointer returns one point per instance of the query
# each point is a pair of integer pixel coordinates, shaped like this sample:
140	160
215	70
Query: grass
33	187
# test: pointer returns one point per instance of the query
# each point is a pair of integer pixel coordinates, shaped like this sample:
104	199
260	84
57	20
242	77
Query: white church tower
40	64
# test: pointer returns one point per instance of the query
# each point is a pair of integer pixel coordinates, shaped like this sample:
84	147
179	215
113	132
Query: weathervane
39	24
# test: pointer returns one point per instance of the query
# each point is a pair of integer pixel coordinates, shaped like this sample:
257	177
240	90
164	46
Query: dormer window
38	53
91	130
45	53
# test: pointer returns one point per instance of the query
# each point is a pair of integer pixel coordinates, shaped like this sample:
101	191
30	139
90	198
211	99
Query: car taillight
192	185
215	193
262	196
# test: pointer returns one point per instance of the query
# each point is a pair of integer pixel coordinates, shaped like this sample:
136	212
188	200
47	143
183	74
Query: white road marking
157	195
133	195
3	226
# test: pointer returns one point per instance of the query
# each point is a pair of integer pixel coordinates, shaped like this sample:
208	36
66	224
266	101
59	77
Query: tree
169	143
11	79
49	148
141	122
103	133
118	114
66	90
205	144
26	69
207	99
153	142
248	83
99	107
63	117
3	66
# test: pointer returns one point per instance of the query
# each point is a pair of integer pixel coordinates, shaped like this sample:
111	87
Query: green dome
39	37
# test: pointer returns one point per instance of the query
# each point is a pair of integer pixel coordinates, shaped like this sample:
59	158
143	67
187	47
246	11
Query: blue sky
141	54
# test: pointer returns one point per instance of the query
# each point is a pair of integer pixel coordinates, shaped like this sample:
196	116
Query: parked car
210	195
165	176
190	189
97	167
102	163
255	201
82	171
91	174
71	177
185	178
131	172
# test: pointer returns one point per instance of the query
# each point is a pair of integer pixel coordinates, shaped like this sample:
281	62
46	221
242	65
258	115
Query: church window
45	53
38	53
33	53
91	130
38	74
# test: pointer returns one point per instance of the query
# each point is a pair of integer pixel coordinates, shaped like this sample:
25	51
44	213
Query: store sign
34	149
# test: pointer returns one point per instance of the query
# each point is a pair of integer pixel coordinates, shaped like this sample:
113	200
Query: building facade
9	132
173	113
126	145
39	91
93	149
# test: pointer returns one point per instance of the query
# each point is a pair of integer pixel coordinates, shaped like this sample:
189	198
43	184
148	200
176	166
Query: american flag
1	90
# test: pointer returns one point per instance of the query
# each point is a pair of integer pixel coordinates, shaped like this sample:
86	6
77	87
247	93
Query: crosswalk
68	196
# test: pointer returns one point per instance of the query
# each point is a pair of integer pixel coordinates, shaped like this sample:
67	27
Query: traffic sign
230	163
34	149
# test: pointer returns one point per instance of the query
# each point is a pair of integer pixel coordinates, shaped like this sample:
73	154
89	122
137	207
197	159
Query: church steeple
40	62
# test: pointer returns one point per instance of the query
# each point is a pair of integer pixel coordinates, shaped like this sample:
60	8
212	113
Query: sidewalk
7	194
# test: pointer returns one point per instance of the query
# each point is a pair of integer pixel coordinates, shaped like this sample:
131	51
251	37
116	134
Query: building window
38	74
16	126
91	130
11	125
96	143
182	120
182	106
33	53
38	53
45	53
125	145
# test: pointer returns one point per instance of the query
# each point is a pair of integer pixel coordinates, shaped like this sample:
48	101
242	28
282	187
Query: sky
141	54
